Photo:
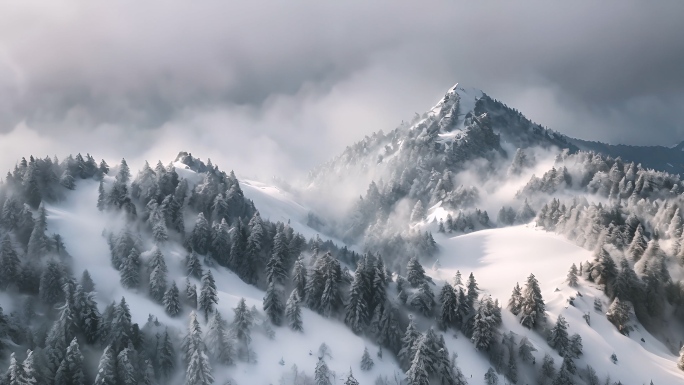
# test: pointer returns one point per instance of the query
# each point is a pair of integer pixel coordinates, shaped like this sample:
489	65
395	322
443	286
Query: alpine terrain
467	246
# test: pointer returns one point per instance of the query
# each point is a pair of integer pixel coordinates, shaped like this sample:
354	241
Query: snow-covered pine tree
408	344
28	374
515	302
90	318
275	268
618	314
87	282
322	373
191	293
208	295
194	350
532	308
559	339
130	270
418	213
366	360
50	290
638	245
525	350
101	197
418	373
219	343
449	307
70	371
483	326
572	276
166	357
680	361
14	372
220	243
299	278
356	316
350	379
242	325
491	378
193	267
200	236
423	299
125	368
273	304
472	290
385	327
10	265
293	312
171	300
158	284
415	274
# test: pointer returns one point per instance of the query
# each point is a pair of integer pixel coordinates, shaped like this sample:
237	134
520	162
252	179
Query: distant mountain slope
669	159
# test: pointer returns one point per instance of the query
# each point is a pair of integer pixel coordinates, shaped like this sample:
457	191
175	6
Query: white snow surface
498	258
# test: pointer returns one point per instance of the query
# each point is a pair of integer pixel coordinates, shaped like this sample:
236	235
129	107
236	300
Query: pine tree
158	284
242	325
572	276
120	327
548	370
618	314
220	243
191	293
491	378
322	373
532	307
559	339
273	304
424	299
357	308
408	344
201	235
51	283
638	245
193	267
90	317
198	368
472	290
208	295
680	362
87	282
130	270
14	372
126	371
415	274
10	265
28	370
350	379
219	343
449	308
166	357
299	278
171	300
483	326
293	312
101	197
275	268
525	350
366	361
70	371
418	213
418	373
515	302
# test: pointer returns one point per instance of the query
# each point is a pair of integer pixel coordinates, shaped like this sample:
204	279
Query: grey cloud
275	87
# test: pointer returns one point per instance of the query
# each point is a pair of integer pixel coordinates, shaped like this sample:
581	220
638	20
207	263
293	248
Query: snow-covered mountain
484	249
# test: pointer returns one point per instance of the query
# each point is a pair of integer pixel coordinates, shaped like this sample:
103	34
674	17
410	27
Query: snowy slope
81	224
498	258
501	257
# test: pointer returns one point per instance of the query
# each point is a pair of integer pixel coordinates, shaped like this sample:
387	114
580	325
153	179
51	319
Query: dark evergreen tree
51	283
200	237
126	370
472	290
415	274
322	373
101	197
559	338
357	308
515	302
171	300
366	360
242	325
87	282
208	295
10	265
70	371
219	343
532	308
423	299
191	293
220	243
130	270
350	379
198	368
158	270
484	326
299	278
449	307
193	267
408	344
90	317
273	304
166	357
275	269
293	312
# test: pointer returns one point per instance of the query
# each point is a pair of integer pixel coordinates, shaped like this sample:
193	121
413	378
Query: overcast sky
274	88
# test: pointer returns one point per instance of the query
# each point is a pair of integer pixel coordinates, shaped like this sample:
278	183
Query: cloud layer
273	88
